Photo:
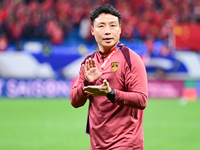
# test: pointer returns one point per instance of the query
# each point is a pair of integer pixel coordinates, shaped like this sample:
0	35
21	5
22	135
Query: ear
92	30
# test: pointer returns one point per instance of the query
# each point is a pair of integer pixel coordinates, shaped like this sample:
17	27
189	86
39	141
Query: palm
98	90
91	72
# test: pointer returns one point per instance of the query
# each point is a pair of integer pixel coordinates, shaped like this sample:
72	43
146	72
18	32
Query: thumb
105	82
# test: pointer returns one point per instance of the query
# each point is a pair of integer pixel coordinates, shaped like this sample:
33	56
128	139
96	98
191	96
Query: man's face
106	31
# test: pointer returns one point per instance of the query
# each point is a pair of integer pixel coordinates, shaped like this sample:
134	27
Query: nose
107	30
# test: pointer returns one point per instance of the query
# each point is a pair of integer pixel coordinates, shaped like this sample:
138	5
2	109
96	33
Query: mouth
107	39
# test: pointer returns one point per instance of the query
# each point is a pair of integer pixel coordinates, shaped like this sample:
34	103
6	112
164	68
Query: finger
88	93
83	67
87	64
105	82
87	89
94	63
91	87
90	63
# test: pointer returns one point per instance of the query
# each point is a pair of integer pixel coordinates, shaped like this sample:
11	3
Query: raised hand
91	71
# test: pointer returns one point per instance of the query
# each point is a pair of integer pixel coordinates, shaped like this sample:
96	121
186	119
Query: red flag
187	37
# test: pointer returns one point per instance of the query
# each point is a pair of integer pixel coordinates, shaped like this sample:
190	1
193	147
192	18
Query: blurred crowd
55	20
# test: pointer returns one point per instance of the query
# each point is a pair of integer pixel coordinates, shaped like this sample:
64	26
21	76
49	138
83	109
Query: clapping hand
98	90
91	71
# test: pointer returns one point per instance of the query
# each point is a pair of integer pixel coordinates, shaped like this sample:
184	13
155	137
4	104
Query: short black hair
107	9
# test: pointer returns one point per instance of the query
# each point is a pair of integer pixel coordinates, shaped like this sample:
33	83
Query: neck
107	49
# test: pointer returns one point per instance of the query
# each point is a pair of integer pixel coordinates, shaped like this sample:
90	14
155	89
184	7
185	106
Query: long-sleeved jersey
117	125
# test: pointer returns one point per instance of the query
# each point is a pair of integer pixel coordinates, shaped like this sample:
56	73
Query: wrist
111	95
109	90
86	83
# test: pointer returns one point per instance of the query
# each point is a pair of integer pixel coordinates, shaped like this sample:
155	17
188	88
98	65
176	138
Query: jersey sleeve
136	94
77	96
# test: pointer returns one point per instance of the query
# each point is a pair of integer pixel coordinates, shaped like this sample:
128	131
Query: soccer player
115	82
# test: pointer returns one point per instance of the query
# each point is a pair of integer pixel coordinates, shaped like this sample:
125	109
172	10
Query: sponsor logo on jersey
114	66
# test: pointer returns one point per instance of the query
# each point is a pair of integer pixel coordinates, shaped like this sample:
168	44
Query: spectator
3	42
28	19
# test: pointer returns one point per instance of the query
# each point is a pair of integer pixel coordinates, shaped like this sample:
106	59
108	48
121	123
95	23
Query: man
115	81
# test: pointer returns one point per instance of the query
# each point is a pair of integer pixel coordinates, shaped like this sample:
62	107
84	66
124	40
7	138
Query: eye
113	25
100	26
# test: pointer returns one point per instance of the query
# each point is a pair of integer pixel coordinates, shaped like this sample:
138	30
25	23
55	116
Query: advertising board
37	88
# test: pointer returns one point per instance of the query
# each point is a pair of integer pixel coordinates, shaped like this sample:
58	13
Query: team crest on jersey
114	66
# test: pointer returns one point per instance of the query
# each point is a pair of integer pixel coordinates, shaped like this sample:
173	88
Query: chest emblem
114	66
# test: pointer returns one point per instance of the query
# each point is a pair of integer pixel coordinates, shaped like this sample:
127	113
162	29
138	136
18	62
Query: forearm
132	99
77	96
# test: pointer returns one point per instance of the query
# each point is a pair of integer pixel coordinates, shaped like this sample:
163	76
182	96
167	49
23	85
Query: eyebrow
109	22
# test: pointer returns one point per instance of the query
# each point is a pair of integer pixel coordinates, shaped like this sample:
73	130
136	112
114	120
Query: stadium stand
58	31
56	20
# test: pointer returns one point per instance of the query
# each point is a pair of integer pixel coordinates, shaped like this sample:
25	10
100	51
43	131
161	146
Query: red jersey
118	125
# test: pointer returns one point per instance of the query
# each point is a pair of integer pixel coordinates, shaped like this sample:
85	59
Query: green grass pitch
53	124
